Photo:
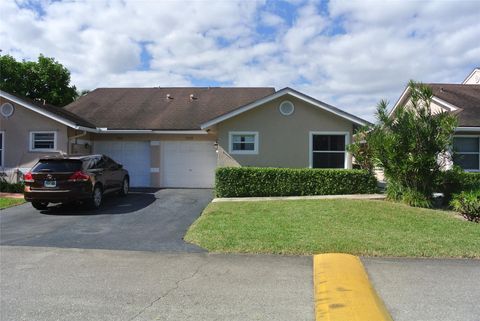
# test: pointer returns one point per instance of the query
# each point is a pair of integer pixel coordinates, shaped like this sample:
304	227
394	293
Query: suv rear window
59	166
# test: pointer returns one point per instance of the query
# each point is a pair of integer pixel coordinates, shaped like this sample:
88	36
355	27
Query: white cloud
358	53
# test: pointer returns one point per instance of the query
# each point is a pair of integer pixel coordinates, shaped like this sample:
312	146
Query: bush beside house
467	203
258	182
456	181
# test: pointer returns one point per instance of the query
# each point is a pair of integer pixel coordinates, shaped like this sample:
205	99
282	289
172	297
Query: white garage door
188	164
133	155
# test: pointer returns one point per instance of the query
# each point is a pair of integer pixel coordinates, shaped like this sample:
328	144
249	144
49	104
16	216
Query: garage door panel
188	164
133	155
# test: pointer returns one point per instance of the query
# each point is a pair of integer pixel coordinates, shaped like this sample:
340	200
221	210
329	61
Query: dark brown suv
69	179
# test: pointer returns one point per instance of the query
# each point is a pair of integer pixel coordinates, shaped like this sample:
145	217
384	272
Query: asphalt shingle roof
161	108
466	97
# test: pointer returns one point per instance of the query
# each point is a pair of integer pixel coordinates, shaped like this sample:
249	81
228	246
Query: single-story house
176	137
462	100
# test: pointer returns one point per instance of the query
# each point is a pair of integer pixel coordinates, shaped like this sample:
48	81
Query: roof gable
285	92
461	99
56	113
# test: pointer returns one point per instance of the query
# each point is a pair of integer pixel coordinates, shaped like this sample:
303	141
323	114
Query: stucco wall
283	140
17	130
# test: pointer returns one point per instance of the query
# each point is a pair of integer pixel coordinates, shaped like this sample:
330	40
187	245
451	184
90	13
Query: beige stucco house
462	100
176	137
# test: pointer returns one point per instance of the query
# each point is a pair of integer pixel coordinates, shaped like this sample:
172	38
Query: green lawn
361	227
7	202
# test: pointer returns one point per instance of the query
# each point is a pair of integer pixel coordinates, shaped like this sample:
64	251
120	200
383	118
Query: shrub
412	197
408	144
468	203
253	181
456	181
7	187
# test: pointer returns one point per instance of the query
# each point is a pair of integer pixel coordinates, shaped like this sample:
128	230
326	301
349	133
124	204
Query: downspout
70	140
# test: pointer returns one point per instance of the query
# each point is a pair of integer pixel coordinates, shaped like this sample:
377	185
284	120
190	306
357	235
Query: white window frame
469	153
32	133
243	152
2	150
310	146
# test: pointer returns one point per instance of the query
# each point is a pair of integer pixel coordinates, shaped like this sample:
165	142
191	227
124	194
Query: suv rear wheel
97	196
40	205
125	187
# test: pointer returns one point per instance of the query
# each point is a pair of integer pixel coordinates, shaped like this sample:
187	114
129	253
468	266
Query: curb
296	198
343	291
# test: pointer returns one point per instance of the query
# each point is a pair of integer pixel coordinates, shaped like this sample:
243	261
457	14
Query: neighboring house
176	137
30	129
462	100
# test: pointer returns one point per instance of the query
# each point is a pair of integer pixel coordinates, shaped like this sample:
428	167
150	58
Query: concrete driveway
144	221
46	284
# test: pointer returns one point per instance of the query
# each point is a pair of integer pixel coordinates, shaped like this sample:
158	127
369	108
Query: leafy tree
410	146
43	79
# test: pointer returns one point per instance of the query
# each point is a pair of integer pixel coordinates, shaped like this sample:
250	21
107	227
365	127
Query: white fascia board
467	129
406	92
87	129
439	101
40	111
150	131
470	75
283	92
445	104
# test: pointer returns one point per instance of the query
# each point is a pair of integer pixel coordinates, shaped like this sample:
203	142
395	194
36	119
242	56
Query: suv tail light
28	177
79	177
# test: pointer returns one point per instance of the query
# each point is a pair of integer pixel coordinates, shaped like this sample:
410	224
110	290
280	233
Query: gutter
150	131
467	129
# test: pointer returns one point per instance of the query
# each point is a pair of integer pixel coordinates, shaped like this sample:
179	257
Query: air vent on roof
193	97
169	96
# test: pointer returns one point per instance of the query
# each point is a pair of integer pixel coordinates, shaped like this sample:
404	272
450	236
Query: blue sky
349	54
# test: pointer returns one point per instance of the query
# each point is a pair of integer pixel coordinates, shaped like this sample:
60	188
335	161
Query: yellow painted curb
343	291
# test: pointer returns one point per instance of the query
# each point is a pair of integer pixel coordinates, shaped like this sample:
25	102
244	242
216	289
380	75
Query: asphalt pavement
146	220
427	289
72	284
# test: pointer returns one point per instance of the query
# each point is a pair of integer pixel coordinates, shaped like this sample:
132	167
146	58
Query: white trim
310	145
470	153
5	114
150	131
286	102
281	93
243	152
470	75
44	112
31	144
467	129
400	100
154	143
439	101
2	150
445	104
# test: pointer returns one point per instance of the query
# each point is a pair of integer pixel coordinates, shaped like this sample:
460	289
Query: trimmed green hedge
256	181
